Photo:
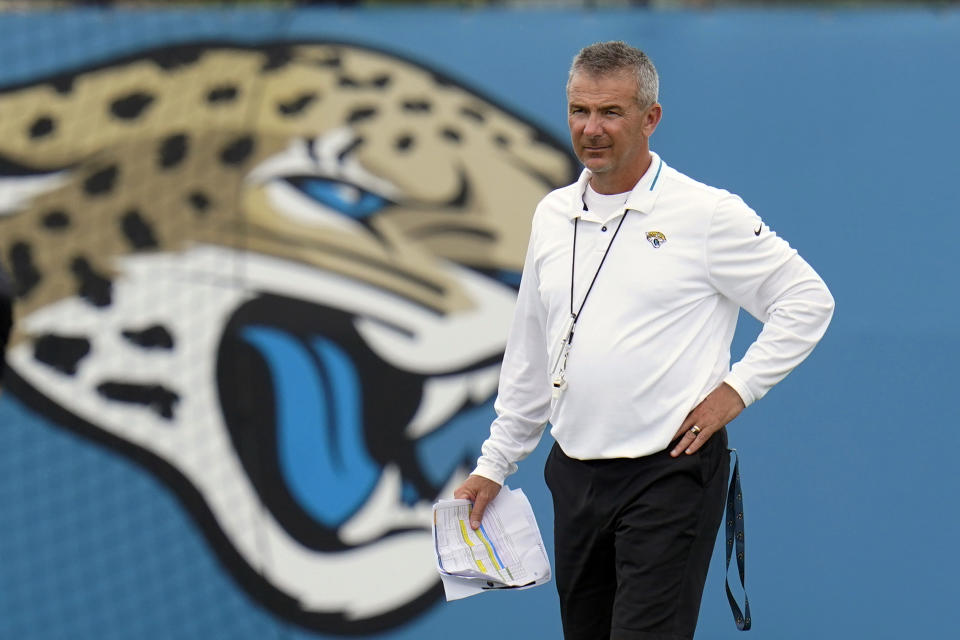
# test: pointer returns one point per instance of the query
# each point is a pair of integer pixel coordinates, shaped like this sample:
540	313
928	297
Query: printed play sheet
506	552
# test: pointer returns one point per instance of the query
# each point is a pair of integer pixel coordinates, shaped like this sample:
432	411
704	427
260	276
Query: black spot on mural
153	337
199	201
362	113
226	93
131	106
421	106
501	140
333	62
156	397
102	181
56	220
378	82
451	134
237	151
62	84
91	286
138	231
176	57
443	81
25	272
277	58
172	151
41	127
297	105
404	143
62	353
473	114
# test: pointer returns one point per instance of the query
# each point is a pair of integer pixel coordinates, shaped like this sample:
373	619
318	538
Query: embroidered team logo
656	238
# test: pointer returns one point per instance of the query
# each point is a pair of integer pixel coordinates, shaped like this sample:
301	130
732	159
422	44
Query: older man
632	284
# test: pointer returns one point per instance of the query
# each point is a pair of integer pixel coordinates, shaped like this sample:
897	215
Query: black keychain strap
735	535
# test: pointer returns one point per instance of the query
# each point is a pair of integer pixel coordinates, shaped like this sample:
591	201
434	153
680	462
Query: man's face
609	130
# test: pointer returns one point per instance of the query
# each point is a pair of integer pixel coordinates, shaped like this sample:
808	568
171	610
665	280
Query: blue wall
839	127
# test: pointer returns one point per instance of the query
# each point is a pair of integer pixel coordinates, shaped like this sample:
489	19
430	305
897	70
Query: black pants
633	539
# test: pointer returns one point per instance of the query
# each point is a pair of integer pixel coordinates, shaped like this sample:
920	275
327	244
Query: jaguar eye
343	197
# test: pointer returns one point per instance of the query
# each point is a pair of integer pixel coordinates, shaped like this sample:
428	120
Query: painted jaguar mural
279	277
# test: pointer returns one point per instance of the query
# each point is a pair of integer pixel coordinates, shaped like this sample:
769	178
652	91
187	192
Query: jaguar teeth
444	396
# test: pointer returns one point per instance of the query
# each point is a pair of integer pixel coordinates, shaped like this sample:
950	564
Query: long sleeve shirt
653	337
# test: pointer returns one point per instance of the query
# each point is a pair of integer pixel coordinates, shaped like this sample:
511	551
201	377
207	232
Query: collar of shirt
642	197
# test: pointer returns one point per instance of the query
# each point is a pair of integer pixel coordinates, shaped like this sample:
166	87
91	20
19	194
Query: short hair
603	58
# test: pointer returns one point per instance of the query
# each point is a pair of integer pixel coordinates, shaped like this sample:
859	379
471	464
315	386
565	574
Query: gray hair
604	58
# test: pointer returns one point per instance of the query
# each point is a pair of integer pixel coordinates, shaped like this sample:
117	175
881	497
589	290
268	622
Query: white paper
506	552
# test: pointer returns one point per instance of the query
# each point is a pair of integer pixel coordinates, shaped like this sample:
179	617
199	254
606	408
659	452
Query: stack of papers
506	552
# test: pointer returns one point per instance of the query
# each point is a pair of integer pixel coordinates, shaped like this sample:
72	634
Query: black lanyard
735	533
573	268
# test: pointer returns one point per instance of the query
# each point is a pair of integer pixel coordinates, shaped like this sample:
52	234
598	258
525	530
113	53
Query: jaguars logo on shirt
280	278
656	239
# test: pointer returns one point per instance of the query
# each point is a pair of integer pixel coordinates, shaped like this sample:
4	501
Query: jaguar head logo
280	277
656	239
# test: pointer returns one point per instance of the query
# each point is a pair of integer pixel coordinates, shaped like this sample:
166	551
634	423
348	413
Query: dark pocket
714	456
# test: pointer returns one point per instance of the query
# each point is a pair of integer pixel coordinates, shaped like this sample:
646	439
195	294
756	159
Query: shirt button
603	228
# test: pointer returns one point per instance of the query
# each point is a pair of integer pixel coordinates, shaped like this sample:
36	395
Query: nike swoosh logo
759	229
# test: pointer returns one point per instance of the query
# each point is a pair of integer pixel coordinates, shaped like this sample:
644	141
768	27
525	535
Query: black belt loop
735	534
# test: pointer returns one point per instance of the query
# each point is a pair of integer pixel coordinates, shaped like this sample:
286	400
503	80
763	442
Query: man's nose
593	127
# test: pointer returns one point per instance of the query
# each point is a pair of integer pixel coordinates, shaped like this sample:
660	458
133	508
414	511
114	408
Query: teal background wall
839	127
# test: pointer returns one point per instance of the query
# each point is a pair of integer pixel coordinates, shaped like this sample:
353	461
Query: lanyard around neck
573	268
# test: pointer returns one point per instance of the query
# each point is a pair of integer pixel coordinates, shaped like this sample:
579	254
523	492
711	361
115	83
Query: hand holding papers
506	552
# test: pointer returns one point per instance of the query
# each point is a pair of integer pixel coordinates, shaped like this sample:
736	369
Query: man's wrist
485	471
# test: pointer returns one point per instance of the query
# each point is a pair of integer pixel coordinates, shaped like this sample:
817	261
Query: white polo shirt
653	338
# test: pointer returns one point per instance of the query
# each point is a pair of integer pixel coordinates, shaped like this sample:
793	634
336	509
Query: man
6	318
621	337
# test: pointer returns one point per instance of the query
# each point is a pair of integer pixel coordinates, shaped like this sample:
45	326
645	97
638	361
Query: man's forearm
799	313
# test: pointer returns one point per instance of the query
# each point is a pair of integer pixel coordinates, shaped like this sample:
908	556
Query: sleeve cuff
490	473
742	389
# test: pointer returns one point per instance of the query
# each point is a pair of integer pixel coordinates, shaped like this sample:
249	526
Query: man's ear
651	118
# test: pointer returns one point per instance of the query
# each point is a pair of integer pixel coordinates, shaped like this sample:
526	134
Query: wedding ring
695	430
